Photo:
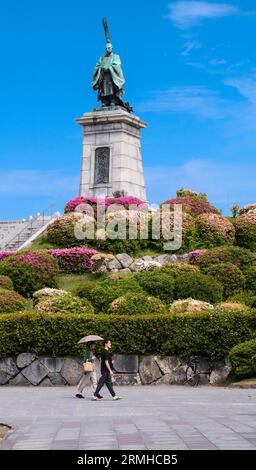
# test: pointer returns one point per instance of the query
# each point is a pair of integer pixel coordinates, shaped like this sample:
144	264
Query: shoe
99	396
78	395
116	398
95	398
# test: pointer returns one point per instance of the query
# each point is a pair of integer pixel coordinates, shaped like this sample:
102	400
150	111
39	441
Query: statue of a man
108	77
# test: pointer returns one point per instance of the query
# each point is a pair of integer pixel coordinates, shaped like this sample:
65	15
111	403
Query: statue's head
109	48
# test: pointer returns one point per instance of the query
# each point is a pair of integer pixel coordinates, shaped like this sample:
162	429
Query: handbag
88	366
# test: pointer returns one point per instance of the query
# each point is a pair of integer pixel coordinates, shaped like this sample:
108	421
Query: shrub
124	201
229	275
47	292
246	231
198	286
11	301
102	294
6	283
201	334
74	260
5	254
137	304
190	306
195	205
157	283
228	254
243	359
232	305
248	209
215	230
63	304
250	276
62	232
165	221
31	271
244	297
179	268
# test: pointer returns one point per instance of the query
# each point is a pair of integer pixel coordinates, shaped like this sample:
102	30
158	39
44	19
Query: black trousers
105	379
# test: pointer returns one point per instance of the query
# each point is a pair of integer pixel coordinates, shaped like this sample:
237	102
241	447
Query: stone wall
27	369
125	263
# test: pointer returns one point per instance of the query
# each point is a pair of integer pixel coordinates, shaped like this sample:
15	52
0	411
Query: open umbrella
89	339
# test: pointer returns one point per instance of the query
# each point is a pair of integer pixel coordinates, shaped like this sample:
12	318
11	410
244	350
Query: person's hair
106	340
90	344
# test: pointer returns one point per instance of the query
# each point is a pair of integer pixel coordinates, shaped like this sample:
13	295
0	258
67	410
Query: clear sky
190	69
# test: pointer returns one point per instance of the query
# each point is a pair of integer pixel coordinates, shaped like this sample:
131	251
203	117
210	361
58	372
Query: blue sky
190	69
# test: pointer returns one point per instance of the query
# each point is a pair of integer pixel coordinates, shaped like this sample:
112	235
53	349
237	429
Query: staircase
15	235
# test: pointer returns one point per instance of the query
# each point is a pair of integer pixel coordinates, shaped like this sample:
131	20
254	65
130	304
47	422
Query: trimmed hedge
174	335
243	359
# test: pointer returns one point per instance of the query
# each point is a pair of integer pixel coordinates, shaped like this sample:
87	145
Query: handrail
17	236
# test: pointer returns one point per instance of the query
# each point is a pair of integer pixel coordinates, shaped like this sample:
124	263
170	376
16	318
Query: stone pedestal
111	158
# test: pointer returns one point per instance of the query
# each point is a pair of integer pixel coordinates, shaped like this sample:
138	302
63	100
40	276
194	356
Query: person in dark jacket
107	372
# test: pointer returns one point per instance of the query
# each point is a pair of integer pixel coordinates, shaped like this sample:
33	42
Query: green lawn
70	282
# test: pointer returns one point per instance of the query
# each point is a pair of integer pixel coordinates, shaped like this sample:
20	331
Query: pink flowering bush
245	227
5	254
241	257
31	271
194	205
214	230
74	260
125	202
192	255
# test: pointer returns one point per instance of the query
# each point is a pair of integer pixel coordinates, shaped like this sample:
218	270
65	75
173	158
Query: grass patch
70	282
41	242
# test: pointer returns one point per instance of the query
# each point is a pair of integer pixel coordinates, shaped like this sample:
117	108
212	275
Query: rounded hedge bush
244	297
190	306
198	286
157	284
246	231
229	275
179	268
31	271
102	294
243	359
194	205
46	293
63	231
137	304
214	230
65	304
6	283
11	301
241	257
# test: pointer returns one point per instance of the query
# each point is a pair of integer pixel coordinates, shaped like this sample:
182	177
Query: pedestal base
111	158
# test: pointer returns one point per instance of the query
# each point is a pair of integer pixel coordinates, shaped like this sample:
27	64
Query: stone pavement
148	417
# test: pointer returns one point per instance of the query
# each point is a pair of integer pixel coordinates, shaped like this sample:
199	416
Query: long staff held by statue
105	26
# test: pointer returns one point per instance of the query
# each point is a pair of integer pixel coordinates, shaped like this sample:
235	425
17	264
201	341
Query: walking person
91	376
107	372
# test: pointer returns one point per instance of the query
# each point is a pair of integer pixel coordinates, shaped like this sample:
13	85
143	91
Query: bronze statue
108	77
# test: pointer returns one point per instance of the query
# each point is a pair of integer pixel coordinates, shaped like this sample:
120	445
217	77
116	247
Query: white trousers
89	377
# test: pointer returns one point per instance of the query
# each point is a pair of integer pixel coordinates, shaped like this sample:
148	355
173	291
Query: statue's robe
108	77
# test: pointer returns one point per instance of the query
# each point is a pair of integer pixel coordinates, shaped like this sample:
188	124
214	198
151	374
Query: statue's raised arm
108	77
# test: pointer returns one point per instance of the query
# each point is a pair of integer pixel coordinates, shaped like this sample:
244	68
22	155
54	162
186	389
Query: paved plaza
153	417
